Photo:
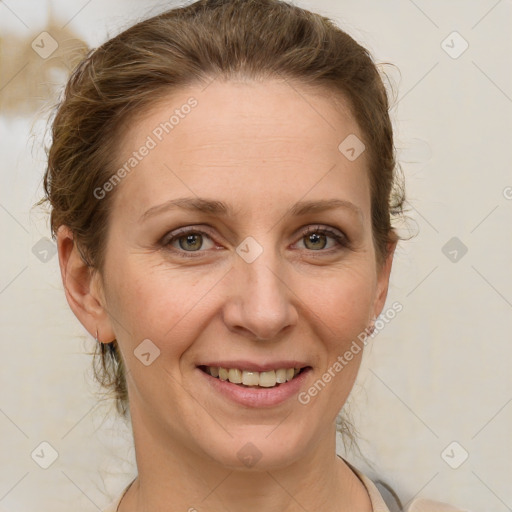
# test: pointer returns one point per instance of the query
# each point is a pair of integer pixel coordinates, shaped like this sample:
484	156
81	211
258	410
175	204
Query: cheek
151	302
339	310
341	302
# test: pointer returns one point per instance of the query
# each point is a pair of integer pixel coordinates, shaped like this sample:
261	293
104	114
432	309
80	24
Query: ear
83	288
384	271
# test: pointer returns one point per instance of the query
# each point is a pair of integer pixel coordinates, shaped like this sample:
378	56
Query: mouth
253	379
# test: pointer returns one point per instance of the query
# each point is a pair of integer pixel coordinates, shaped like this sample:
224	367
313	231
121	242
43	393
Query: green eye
187	242
191	241
317	239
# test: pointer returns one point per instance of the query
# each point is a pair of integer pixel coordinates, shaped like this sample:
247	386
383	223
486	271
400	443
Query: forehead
236	136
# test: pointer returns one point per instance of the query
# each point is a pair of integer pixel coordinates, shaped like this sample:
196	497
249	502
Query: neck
171	477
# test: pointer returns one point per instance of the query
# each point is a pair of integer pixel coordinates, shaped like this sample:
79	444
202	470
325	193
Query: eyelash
341	240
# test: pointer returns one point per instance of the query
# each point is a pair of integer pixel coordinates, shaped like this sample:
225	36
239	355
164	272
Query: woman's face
241	238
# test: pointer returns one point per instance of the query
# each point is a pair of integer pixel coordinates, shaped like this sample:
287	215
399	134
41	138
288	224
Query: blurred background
433	401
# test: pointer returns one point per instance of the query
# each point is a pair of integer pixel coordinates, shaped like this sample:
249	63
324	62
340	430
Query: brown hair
250	39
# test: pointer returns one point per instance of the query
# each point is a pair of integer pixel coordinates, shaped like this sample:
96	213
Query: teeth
267	379
281	375
235	376
250	378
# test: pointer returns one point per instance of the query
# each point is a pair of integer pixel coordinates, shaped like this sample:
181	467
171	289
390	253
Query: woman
222	184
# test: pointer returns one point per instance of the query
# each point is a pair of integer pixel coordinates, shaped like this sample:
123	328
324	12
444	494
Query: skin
259	148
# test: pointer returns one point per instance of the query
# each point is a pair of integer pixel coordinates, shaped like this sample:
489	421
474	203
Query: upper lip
251	366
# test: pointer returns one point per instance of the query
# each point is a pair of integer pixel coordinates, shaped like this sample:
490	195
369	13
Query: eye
316	238
188	241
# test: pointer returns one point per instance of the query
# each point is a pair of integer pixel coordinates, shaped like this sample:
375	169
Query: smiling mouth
250	379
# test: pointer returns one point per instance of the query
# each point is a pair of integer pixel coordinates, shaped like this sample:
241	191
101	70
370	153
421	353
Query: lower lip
257	397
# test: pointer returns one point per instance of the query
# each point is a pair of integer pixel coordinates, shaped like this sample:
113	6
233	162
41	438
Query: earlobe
81	288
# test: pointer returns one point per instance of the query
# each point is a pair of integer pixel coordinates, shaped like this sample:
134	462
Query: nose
260	302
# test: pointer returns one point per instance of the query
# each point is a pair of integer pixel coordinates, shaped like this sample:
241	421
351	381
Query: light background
437	373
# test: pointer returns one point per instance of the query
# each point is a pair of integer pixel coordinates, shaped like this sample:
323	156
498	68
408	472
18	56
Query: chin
258	448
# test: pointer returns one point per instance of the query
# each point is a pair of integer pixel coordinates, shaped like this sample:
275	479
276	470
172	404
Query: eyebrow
219	208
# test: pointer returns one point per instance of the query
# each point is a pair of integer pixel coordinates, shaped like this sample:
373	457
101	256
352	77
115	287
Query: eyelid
314	228
168	237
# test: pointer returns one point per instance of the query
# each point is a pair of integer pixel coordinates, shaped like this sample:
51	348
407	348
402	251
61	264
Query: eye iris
315	238
195	241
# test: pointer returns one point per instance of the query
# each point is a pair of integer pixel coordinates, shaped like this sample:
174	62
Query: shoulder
380	504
